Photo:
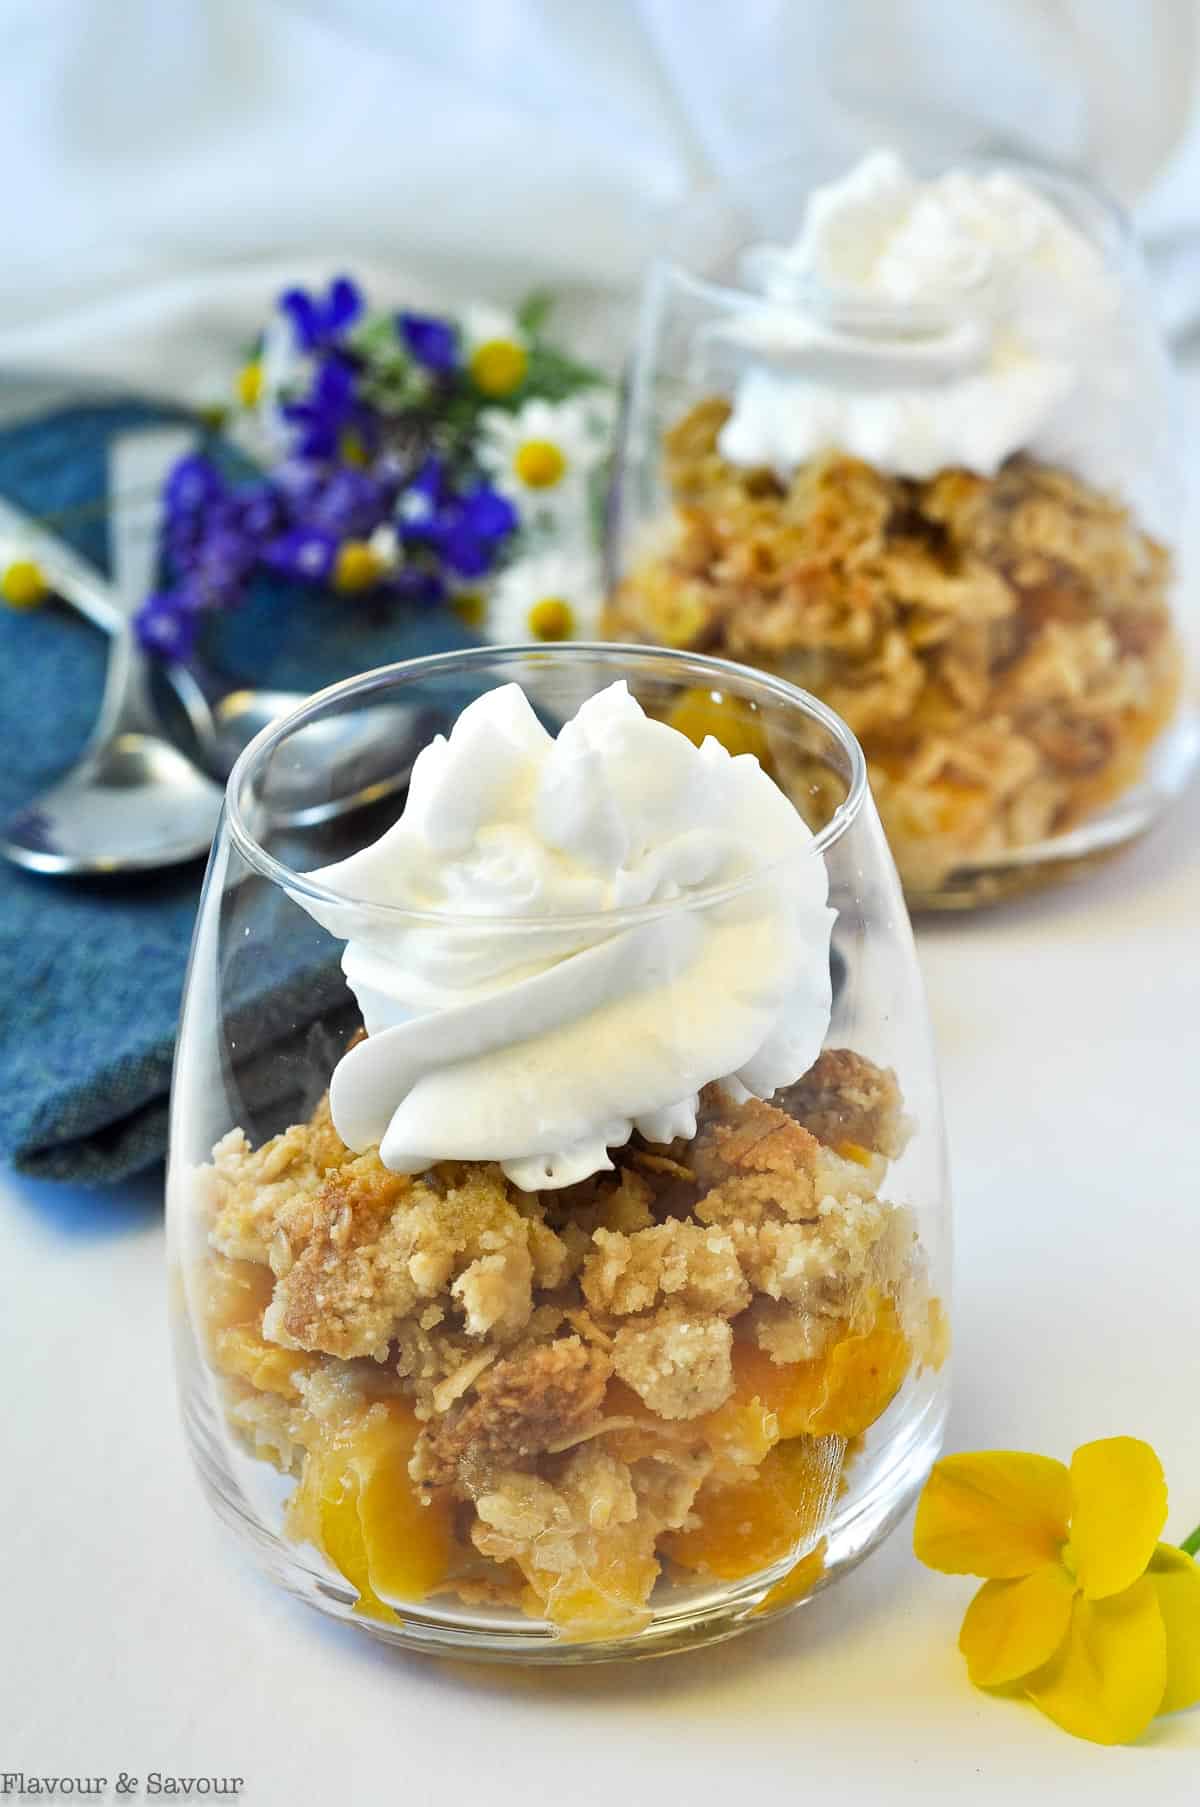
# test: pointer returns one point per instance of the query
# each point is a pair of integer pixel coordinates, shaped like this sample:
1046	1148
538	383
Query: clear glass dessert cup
611	1419
1002	644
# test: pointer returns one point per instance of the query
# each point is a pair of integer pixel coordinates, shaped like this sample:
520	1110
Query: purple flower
166	626
350	504
464	531
472	528
421	501
487	513
298	483
416	583
304	552
318	321
432	342
329	410
259	510
182	539
218	568
193	484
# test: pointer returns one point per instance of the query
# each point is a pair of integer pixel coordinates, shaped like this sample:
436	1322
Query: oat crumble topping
1001	646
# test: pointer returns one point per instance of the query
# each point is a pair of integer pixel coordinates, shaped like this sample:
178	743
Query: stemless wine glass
1002	646
631	1415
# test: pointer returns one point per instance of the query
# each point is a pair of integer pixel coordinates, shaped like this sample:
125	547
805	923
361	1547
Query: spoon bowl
132	801
134	804
335	764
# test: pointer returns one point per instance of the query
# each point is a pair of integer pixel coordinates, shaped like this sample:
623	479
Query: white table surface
137	1637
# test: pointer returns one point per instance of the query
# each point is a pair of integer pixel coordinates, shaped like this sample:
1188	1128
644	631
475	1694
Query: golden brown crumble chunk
254	1190
378	1244
689	1264
535	1400
755	1161
846	1099
680	1367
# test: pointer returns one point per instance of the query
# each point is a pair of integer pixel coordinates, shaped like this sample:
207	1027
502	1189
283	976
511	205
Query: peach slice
242	1353
747	1525
699	713
797	1583
234	1293
606	1596
355	1502
839	1394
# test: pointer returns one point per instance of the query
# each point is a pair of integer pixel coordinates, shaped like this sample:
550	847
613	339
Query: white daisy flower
286	369
541	455
495	348
482	322
280	371
551	596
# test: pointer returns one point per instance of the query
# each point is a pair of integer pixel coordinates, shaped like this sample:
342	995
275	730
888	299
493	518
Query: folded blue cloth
91	971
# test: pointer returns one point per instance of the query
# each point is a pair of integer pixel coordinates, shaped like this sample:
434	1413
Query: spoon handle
66	573
137	464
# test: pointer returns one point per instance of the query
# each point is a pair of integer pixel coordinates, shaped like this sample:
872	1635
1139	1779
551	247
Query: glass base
703	1614
1170	768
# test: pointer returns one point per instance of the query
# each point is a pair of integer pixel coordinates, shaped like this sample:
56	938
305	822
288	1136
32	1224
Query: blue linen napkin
91	971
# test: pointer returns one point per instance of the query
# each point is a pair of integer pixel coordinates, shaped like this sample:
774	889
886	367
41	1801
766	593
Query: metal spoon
325	769
133	802
333	766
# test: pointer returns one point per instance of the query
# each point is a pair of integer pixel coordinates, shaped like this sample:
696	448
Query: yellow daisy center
23	586
357	568
539	464
249	385
551	619
351	450
470	606
498	366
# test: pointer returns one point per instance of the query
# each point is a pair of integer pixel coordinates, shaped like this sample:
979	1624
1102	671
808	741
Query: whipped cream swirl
530	1030
925	324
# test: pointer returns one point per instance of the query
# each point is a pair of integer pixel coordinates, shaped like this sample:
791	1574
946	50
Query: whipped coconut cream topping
531	1030
925	324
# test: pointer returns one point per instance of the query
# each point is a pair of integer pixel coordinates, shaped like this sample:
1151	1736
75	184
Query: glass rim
467	659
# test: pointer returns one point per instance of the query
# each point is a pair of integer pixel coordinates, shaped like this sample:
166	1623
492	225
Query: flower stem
1191	1545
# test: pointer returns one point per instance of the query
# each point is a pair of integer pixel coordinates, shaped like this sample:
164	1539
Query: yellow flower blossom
23	585
551	618
1082	1607
496	350
539	464
470	606
249	384
351	450
358	567
550	597
498	366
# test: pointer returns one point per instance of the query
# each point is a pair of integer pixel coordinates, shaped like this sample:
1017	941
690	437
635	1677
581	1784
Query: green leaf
553	375
534	311
377	337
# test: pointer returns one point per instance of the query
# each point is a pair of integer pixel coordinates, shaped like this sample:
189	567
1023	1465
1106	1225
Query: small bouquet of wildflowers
426	461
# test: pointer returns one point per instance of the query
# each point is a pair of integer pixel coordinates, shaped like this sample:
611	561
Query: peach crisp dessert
550	1398
925	495
1002	647
580	1283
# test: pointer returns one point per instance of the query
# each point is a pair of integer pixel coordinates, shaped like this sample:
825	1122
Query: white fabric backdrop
169	166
